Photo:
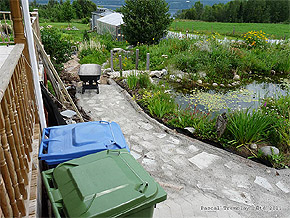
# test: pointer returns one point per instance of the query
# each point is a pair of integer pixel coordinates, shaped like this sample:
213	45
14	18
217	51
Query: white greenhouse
110	24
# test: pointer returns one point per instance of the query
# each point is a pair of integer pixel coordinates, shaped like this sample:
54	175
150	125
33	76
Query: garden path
201	180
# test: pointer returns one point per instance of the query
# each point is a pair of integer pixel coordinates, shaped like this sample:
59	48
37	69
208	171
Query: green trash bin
105	184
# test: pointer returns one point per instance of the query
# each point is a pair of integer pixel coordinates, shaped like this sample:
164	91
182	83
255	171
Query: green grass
62	26
277	31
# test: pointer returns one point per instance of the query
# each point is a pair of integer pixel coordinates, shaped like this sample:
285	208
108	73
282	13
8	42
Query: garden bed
205	127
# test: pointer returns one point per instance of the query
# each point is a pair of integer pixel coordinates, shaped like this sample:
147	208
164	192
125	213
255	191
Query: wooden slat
11	158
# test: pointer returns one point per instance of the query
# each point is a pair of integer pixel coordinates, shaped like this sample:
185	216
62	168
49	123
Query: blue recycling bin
63	143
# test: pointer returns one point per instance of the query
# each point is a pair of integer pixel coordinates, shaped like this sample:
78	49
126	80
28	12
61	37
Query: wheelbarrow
90	74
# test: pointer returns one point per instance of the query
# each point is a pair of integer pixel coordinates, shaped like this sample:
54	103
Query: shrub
146	20
58	49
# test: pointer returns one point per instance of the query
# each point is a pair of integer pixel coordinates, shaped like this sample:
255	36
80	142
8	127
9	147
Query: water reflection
218	101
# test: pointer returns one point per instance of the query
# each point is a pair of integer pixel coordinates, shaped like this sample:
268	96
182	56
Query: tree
4	5
199	9
146	21
84	8
67	11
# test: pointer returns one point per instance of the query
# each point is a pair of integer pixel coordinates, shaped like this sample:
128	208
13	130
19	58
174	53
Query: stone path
201	180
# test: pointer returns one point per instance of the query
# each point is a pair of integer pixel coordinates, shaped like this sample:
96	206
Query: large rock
164	72
199	82
267	150
118	50
215	85
156	73
237	77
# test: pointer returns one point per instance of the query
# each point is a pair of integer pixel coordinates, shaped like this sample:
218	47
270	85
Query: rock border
221	152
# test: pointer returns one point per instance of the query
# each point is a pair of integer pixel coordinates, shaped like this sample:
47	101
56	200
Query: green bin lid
105	184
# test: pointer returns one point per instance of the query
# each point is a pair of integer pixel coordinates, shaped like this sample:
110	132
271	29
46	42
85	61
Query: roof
114	19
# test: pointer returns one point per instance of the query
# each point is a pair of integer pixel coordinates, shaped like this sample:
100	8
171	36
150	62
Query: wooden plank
45	56
8	67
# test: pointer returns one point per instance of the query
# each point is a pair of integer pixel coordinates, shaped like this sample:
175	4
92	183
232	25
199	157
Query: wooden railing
6	29
17	118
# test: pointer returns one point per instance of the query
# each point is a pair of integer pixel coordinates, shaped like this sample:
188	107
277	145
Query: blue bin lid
62	143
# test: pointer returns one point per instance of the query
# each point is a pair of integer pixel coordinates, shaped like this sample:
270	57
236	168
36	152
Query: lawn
72	35
277	31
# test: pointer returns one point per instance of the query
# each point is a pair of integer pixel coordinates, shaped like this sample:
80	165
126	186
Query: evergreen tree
146	21
4	5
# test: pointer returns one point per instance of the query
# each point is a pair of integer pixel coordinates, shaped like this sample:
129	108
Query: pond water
218	101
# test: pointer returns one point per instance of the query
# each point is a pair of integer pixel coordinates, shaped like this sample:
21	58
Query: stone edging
238	158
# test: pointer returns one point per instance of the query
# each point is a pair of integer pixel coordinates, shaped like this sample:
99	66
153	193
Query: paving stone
186	208
232	165
149	163
160	135
135	155
147	145
180	151
145	136
241	181
91	101
137	148
193	149
168	148
282	186
179	160
164	210
240	197
202	186
203	160
173	140
134	138
150	155
175	208
146	126
264	183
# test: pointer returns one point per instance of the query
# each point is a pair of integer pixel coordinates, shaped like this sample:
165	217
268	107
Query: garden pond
217	101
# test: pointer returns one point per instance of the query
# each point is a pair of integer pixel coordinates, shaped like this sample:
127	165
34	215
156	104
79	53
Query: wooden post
112	64
18	26
137	59
120	63
148	61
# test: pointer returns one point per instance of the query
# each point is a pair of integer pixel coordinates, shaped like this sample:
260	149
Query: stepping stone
240	197
193	149
180	151
203	160
151	164
150	155
160	135
147	145
283	187
173	140
264	183
168	148
241	181
135	155
146	126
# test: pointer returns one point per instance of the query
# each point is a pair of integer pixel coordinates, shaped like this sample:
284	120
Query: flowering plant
255	38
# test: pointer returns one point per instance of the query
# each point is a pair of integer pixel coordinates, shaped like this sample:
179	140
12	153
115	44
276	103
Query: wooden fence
17	118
